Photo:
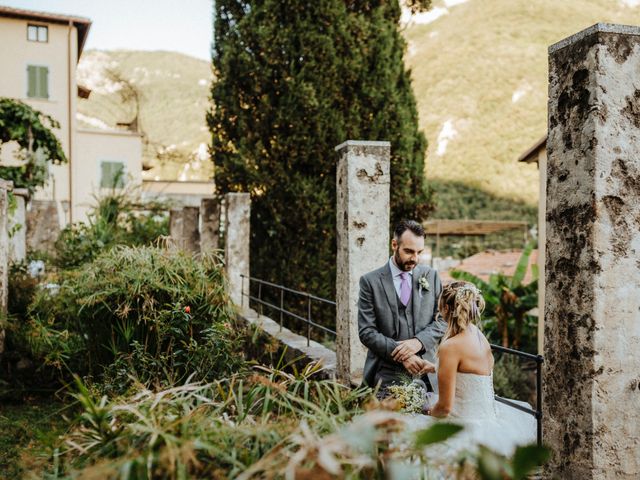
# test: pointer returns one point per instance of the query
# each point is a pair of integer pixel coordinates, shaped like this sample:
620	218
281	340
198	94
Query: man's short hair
415	227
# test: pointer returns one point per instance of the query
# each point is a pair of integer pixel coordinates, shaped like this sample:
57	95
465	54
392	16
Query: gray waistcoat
405	332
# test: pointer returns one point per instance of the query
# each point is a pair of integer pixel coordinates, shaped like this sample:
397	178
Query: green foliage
508	300
32	131
216	430
145	312
266	425
116	220
292	81
437	433
511	380
22	288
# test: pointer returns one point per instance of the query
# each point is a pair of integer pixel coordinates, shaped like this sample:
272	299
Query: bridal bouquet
411	396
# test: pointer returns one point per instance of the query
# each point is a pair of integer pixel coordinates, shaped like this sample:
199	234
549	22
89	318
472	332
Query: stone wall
592	308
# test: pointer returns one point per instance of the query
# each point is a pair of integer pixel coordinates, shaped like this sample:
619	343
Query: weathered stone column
18	226
176	226
592	308
42	225
184	228
5	188
363	182
237	230
191	228
210	230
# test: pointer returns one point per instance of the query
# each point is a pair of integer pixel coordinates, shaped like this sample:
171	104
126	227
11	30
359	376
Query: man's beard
404	266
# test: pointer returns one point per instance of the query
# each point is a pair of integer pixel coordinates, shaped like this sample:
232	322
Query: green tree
293	79
32	131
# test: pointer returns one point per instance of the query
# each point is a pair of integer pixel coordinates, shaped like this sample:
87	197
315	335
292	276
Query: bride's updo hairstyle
460	303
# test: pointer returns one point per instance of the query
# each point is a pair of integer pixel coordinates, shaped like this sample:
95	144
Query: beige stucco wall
94	147
59	54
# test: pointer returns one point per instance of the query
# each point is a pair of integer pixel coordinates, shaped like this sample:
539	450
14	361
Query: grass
29	430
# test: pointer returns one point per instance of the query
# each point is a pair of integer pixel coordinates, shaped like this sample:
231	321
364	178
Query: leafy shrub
22	289
511	380
152	313
115	220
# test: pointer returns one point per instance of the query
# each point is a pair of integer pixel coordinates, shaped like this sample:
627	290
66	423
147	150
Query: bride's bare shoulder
451	345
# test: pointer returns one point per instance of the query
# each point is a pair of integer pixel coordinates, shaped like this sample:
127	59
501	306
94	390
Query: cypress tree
293	79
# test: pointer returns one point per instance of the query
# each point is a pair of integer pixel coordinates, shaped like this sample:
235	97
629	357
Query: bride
465	381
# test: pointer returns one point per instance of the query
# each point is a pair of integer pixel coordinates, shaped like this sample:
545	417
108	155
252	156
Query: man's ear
394	244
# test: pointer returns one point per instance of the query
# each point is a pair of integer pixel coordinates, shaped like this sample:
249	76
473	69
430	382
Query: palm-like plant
508	301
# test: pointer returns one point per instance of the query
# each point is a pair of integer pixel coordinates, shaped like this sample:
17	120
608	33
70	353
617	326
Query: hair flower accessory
467	287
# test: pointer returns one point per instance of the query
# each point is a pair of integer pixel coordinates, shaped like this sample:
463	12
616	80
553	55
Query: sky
178	25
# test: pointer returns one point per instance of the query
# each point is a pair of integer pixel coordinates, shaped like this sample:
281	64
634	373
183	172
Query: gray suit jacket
378	316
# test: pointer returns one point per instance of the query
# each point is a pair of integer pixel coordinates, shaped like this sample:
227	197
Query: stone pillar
5	188
210	230
363	182
176	223
191	228
42	225
236	248
184	228
18	226
592	309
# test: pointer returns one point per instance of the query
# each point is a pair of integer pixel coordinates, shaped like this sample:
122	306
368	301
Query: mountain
479	70
173	94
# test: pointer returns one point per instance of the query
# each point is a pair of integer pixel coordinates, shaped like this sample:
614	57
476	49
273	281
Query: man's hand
405	349
414	364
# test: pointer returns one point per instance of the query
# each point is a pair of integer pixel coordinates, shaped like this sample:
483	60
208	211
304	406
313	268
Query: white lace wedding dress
486	421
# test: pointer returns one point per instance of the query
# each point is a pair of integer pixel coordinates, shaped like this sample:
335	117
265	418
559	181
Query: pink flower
187	309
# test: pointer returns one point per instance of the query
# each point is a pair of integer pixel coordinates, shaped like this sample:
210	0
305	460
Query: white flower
424	284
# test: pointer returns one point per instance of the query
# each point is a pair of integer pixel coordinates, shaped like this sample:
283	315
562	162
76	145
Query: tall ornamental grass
156	314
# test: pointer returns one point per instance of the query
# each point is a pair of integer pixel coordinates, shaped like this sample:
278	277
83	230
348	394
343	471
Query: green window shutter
43	82
32	81
112	175
38	82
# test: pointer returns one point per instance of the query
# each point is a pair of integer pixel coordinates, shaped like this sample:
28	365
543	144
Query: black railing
537	413
307	297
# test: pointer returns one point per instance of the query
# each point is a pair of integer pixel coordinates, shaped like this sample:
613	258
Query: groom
398	318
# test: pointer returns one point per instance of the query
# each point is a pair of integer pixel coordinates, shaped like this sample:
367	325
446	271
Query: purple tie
405	288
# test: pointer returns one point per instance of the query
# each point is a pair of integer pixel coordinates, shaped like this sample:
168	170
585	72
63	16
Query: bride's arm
447	369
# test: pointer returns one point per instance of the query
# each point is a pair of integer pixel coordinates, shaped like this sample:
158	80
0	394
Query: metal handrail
307	320
537	413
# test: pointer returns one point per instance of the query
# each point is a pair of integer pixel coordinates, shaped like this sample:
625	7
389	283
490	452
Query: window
37	33
38	81
112	175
